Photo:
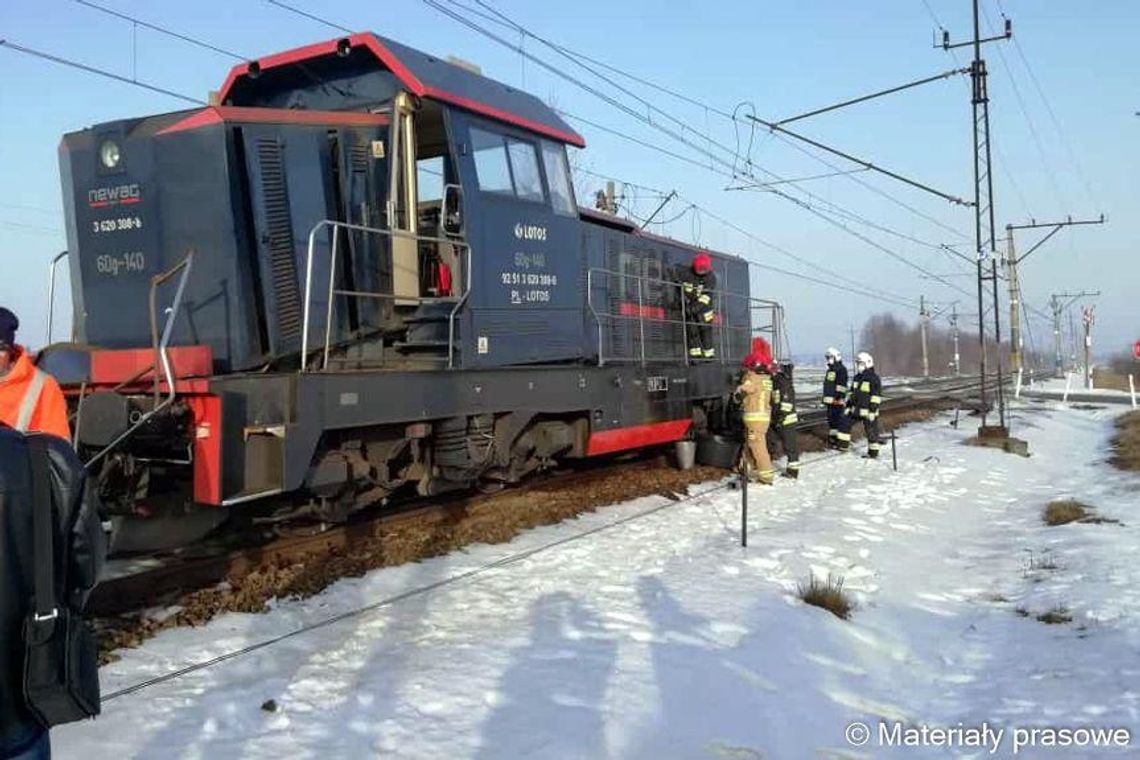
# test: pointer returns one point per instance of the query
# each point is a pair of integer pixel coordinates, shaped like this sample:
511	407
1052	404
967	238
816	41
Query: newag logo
530	232
112	196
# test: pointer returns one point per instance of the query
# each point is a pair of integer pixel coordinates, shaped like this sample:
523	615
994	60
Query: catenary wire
438	6
101	72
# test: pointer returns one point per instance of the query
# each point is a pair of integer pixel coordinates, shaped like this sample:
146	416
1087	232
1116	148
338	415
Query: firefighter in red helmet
755	390
698	288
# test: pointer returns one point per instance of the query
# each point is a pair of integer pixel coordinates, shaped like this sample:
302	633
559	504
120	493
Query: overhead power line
100	72
162	30
731	167
1052	115
1041	154
728	168
855	288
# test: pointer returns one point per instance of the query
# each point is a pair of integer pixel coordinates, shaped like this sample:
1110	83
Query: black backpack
61	672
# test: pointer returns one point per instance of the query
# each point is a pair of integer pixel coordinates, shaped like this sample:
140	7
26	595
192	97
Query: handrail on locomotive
333	291
161	356
765	318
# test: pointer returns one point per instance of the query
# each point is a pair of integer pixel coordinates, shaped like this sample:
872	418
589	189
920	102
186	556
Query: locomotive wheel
131	534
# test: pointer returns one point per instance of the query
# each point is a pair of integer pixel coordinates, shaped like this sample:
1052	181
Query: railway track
307	561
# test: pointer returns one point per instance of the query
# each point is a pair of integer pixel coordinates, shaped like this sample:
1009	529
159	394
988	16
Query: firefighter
835	400
30	400
756	391
864	400
698	287
783	429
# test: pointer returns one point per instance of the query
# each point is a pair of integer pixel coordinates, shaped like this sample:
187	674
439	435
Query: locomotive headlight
109	154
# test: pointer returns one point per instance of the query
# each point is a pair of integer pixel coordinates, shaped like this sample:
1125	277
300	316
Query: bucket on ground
718	451
686	453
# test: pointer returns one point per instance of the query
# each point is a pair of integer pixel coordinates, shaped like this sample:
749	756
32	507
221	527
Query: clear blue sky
783	58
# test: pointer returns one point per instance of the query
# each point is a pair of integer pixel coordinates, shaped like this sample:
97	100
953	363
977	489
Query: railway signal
1136	350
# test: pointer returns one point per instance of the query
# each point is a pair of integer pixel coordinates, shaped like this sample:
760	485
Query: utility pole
1012	262
1088	317
924	320
957	355
984	231
1058	303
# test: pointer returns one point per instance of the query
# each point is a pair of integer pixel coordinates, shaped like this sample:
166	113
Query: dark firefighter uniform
835	400
783	429
864	404
698	289
756	390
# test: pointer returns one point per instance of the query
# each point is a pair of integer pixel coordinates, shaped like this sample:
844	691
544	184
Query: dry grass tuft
1127	442
1056	616
1106	378
828	595
1064	511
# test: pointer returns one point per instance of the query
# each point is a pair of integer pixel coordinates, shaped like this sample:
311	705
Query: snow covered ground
660	637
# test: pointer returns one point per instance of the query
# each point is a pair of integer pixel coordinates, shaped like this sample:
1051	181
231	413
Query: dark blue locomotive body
372	273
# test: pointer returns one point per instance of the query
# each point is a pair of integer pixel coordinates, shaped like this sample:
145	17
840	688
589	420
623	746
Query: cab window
491	167
558	177
507	165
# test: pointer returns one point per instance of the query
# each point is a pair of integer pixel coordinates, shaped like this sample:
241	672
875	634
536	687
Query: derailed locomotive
363	269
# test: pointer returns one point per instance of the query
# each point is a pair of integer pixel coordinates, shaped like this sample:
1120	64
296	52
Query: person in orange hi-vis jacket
30	399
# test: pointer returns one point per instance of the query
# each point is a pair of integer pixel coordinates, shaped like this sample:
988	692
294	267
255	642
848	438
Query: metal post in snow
1132	390
894	453
744	506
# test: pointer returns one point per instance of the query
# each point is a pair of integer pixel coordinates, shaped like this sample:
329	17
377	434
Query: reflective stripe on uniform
864	412
833	432
756	417
874	446
865	387
30	401
873	416
830	376
709	353
687	287
793	465
876	399
828	399
791	418
694	351
843	436
704	298
709	316
786	407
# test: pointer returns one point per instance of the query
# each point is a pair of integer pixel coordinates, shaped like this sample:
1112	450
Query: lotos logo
530	232
112	196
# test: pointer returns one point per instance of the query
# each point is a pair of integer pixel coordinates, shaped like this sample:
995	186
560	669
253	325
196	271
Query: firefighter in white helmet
864	399
835	399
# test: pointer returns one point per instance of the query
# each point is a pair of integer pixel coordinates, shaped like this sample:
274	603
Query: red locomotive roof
421	74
